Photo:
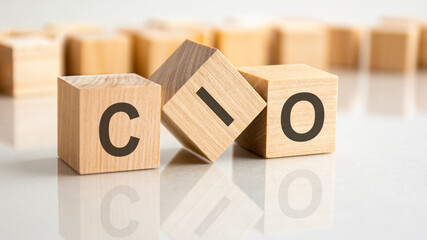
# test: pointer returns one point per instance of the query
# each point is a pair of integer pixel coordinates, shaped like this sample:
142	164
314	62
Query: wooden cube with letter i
108	123
206	102
301	110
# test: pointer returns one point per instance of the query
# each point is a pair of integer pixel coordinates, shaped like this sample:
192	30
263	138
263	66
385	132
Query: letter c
104	131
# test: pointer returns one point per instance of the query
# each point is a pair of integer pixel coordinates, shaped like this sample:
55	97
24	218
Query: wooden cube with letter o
300	117
108	123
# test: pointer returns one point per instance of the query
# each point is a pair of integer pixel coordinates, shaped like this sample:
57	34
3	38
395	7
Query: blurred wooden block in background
203	32
344	46
5	32
29	65
206	102
69	28
98	54
119	130
423	46
62	30
244	45
152	47
394	48
302	43
300	117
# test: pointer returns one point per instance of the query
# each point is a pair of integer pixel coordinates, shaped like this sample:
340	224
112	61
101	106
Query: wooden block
203	32
152	47
423	46
28	123
29	65
98	54
206	205
62	30
92	138
245	46
206	102
108	206
302	44
394	48
344	46
5	32
295	193
301	108
70	28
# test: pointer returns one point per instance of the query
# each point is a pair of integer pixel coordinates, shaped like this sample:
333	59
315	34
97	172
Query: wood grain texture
302	44
276	84
245	46
344	46
108	206
187	116
394	48
29	65
98	54
153	47
78	122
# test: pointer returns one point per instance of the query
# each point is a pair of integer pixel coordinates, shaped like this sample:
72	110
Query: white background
28	13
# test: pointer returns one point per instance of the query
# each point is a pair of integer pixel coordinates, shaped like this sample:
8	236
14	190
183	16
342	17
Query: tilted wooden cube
206	102
98	54
394	48
152	47
301	109
108	123
29	65
344	46
302	44
243	45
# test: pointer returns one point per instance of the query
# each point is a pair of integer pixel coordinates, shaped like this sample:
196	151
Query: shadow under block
108	123
108	206
300	117
344	46
152	47
98	54
206	102
244	46
302	45
29	65
394	48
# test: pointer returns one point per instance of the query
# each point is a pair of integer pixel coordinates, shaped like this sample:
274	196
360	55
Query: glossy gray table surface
372	187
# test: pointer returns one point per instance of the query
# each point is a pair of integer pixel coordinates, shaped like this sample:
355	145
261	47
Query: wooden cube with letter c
301	108
206	102
108	123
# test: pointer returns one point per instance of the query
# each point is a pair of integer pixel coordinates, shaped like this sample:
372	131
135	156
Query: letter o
318	120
